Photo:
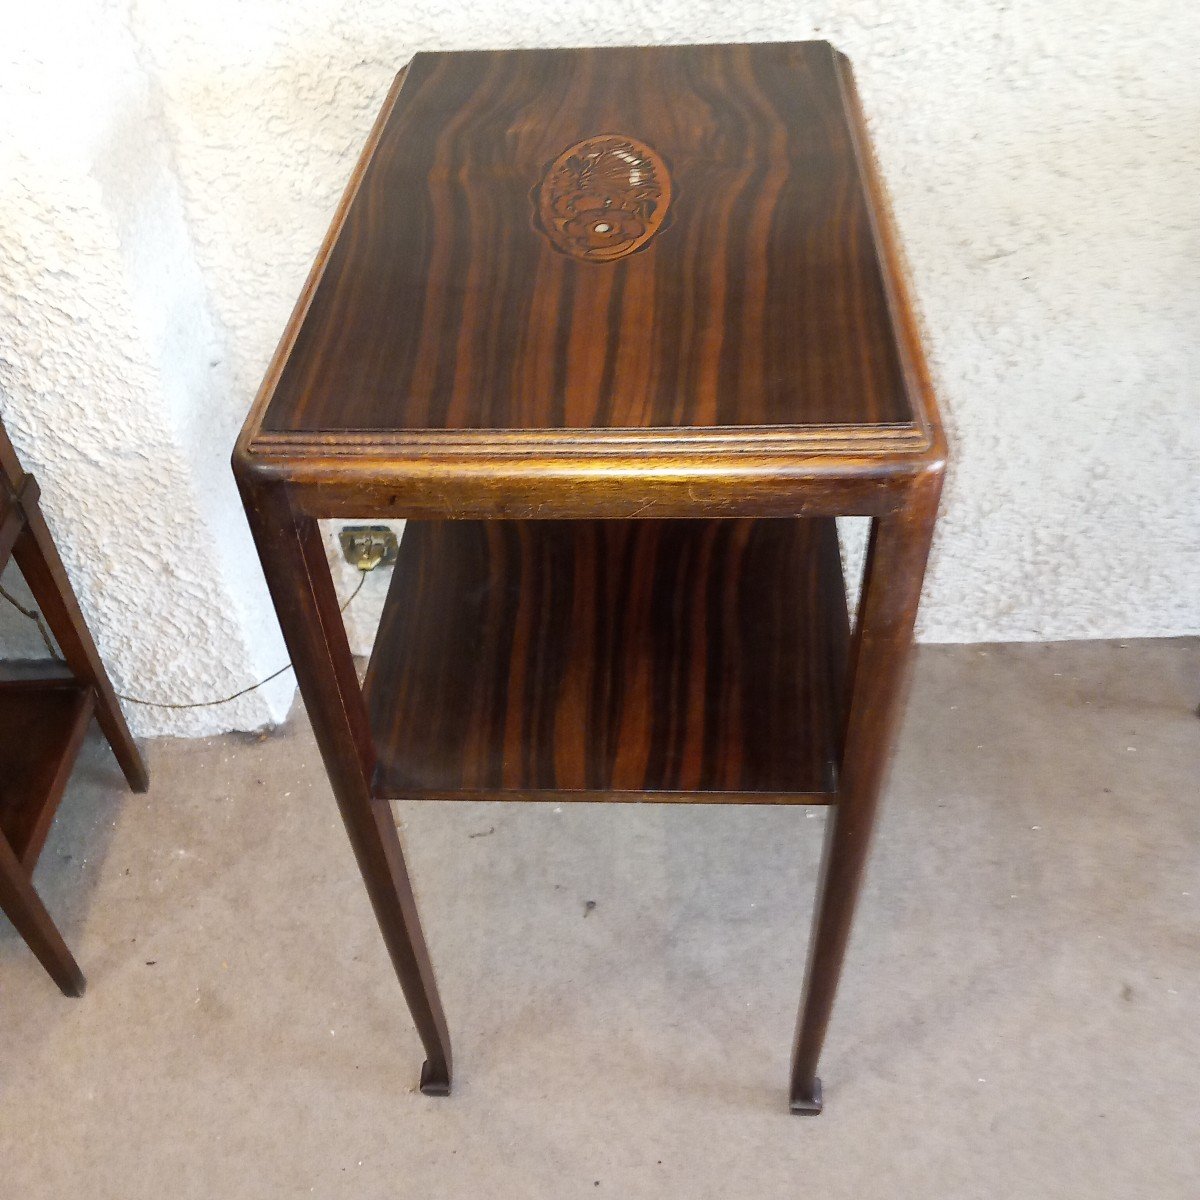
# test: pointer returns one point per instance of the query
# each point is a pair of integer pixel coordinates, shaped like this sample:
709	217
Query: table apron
619	499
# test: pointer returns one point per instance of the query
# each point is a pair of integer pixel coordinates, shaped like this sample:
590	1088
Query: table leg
297	571
46	577
24	908
895	567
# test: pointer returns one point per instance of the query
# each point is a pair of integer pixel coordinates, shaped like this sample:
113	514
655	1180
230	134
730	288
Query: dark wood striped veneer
664	660
760	301
619	333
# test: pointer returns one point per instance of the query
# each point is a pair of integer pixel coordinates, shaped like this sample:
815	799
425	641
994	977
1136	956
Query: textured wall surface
112	382
1044	167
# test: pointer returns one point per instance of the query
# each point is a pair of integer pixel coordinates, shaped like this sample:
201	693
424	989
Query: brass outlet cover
368	546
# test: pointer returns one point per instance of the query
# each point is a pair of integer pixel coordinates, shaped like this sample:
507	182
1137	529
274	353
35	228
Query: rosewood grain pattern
761	302
644	658
658	441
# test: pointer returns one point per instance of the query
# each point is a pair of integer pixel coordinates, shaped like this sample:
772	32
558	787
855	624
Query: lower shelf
42	723
611	660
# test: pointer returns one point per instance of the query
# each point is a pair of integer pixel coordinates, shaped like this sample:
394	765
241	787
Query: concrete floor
1020	1015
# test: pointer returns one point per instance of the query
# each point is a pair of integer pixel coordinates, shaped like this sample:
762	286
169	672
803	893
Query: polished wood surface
297	573
619	332
877	678
494	459
507	446
611	660
760	303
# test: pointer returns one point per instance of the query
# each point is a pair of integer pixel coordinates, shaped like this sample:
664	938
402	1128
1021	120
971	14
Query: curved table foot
435	1081
810	1105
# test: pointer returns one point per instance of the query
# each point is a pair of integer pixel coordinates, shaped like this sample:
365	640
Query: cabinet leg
24	908
43	571
297	572
892	579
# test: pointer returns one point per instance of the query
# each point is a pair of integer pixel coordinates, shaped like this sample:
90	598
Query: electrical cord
36	617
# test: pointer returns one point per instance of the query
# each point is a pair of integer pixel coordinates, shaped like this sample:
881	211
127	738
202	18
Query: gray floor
1020	1016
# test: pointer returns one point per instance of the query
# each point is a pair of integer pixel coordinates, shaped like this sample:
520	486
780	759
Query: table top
606	252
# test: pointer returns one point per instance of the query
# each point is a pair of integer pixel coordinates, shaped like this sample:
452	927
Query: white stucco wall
1044	166
113	382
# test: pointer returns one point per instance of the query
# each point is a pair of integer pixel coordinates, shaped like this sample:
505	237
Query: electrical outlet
368	546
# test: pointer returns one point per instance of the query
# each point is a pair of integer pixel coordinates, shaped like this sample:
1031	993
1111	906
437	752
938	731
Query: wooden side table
620	332
45	709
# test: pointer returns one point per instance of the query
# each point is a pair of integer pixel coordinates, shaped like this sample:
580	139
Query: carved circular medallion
603	198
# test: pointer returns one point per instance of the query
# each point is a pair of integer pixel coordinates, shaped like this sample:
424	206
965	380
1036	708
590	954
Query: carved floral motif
603	198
